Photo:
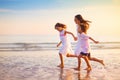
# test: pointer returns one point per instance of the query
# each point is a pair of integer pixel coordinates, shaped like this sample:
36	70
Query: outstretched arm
93	40
75	38
59	43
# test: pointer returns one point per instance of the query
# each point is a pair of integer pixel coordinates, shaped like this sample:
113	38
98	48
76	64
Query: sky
38	17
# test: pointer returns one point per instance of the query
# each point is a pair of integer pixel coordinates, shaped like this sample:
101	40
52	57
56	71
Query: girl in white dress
85	24
66	47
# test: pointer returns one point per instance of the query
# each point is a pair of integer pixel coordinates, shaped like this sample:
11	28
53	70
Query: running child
80	21
66	47
85	24
84	47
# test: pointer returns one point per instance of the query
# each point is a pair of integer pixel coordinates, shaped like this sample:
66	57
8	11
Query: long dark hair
83	21
83	28
60	25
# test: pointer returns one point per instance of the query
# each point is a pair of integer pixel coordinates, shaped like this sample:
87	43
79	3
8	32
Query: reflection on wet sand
41	65
68	74
65	75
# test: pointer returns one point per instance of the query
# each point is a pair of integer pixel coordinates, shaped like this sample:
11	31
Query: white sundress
78	46
82	43
84	39
66	46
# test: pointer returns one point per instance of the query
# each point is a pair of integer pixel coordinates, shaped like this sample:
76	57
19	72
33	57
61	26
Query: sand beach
41	65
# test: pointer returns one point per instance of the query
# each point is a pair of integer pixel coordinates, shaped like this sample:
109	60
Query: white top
84	43
78	34
66	47
77	48
63	38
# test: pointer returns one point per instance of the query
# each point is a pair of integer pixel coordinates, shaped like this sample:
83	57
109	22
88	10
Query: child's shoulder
63	31
84	34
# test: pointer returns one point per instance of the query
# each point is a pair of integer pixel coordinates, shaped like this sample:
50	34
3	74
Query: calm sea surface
38	43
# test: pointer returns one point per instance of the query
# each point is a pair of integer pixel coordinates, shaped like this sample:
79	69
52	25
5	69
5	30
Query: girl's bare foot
88	69
78	69
102	62
61	66
68	55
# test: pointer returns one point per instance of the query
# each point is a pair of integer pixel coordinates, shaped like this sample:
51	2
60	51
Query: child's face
76	21
59	29
79	30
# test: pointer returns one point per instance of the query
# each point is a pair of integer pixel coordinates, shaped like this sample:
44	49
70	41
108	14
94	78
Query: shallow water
41	65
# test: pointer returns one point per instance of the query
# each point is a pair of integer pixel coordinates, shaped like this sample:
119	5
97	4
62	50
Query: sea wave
52	46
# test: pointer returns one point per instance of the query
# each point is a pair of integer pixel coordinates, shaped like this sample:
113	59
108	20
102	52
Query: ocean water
44	42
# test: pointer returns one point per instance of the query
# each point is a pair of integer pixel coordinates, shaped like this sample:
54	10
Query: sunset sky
38	17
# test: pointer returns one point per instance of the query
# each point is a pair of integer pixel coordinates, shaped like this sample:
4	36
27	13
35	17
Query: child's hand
75	38
96	42
58	45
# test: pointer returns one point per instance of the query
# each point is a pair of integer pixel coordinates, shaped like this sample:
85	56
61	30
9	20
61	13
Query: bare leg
79	63
87	62
71	55
62	63
97	60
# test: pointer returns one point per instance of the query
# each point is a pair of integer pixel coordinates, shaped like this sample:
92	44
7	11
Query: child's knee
83	56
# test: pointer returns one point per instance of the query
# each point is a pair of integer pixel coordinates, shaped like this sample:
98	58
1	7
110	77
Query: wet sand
41	65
